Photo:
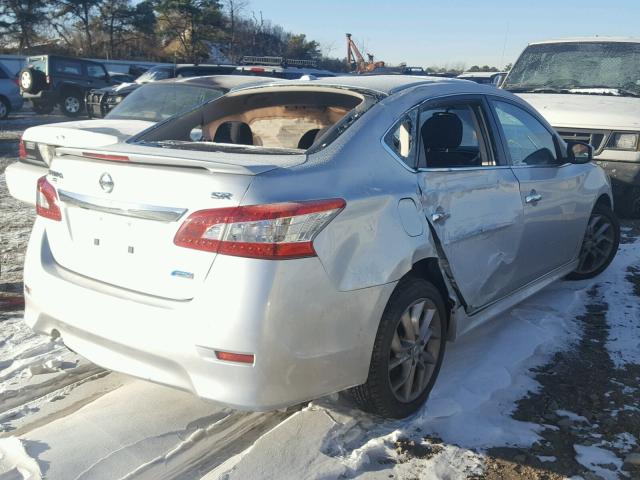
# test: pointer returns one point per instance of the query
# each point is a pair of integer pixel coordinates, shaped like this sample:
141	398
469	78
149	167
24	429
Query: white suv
589	90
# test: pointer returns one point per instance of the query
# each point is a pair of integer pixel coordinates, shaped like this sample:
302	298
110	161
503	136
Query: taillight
272	231
47	200
22	151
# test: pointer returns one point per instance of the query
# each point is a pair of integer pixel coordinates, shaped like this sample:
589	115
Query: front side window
401	141
96	71
451	137
528	141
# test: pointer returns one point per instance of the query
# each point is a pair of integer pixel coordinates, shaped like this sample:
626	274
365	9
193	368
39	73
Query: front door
556	207
471	198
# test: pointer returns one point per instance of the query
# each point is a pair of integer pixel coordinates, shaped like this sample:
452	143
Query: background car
485	78
316	236
102	100
50	80
589	90
280	67
153	103
10	99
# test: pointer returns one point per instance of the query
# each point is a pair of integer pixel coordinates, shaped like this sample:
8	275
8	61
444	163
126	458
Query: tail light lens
272	231
47	200
22	151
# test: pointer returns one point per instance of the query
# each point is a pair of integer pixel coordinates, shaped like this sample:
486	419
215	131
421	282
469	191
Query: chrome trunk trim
147	212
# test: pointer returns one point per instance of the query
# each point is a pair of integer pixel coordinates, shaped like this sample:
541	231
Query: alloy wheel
598	243
72	104
415	348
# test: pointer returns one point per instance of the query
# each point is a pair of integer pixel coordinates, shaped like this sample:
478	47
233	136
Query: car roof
386	84
592	39
228	82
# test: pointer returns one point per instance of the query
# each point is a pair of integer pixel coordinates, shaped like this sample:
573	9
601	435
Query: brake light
22	150
16	81
47	200
257	69
106	156
273	231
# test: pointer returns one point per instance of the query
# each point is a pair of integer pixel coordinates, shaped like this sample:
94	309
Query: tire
31	80
599	245
378	395
5	108
72	103
42	108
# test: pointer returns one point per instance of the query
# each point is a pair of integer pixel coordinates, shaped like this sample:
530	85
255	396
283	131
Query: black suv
102	100
50	80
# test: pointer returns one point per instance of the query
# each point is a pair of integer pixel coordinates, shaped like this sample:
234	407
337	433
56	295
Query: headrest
238	133
442	130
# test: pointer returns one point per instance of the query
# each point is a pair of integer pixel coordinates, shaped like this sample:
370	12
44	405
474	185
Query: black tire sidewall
407	292
7	108
607	212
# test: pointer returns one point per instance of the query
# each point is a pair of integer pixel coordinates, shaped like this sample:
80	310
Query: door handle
533	197
439	216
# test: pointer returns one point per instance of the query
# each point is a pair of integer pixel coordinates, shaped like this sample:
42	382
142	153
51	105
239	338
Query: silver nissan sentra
290	240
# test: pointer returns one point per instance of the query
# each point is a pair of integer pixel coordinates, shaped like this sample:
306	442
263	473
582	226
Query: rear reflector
106	156
272	231
22	151
47	200
235	357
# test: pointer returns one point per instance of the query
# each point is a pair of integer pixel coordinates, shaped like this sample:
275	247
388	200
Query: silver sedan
290	240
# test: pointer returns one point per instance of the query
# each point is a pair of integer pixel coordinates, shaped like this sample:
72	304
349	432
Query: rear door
471	197
552	192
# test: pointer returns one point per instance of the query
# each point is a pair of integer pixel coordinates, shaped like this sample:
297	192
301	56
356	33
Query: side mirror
196	134
579	152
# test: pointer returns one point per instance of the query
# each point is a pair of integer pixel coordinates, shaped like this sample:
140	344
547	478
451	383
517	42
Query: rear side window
67	67
528	141
38	64
401	139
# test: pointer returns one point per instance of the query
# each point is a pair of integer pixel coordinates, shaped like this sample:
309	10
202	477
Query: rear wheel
31	80
72	103
600	244
407	353
630	204
5	108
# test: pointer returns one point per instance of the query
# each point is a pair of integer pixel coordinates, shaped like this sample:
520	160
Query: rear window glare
269	120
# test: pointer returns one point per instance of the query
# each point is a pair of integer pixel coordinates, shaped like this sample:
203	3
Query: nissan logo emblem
106	182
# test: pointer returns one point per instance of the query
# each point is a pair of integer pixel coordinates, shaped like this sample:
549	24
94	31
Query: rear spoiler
215	165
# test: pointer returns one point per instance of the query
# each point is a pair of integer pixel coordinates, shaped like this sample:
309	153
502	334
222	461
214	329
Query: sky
450	32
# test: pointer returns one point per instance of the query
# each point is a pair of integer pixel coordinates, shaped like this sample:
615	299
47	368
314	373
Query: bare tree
233	10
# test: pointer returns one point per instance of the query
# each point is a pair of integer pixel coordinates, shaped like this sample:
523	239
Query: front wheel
407	353
72	104
600	244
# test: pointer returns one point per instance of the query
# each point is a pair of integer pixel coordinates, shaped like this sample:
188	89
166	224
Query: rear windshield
156	102
38	64
272	120
154	74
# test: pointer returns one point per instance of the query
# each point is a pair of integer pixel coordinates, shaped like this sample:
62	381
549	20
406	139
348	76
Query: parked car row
263	242
10	99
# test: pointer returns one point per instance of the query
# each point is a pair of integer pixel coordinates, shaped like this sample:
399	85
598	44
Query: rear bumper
22	179
308	339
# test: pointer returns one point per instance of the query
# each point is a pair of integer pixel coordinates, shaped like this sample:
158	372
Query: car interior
291	119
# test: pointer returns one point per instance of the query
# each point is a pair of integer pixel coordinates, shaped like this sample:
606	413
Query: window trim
557	140
488	122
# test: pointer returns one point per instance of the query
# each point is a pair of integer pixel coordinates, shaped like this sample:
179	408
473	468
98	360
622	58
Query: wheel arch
605	200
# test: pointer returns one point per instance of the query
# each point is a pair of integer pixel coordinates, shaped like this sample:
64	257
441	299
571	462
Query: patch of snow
623	316
571	416
547	458
15	463
600	461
